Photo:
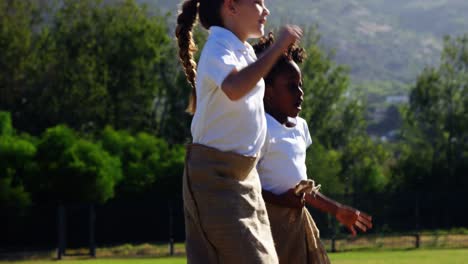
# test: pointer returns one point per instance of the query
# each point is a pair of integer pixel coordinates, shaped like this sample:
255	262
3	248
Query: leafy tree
99	63
170	104
144	158
346	123
364	168
89	64
324	167
432	160
19	45
437	119
342	158
363	161
73	169
16	161
324	85
6	128
413	171
169	182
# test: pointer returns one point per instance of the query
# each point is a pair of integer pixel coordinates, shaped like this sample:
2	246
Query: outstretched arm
346	215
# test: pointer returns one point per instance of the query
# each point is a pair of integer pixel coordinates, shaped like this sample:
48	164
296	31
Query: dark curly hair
294	53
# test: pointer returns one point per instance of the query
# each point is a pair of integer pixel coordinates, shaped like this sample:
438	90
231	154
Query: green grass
448	256
435	256
177	260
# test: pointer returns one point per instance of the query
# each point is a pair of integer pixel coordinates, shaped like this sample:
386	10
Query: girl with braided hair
282	169
225	215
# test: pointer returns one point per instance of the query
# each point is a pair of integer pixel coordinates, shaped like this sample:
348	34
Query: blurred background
93	127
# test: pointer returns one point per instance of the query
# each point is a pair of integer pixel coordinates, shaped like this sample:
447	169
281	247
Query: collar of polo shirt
222	33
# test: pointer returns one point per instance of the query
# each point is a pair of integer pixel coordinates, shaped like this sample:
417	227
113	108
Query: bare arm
287	199
323	203
239	83
348	216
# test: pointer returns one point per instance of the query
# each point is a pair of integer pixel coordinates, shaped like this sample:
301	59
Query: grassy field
446	256
435	256
400	242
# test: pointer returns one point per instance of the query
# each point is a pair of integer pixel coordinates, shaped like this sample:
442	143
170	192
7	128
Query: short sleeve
220	63
308	138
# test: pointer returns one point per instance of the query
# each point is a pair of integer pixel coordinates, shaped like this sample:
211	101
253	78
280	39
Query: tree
89	64
364	166
324	167
73	169
324	85
19	44
349	160
6	128
438	115
170	104
16	161
92	64
145	160
433	156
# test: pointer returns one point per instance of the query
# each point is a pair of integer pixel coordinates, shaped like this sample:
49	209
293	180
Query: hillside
386	43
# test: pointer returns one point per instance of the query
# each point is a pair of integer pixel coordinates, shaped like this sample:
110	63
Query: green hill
386	43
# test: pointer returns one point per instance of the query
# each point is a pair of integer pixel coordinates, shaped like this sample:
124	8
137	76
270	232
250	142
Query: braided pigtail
187	47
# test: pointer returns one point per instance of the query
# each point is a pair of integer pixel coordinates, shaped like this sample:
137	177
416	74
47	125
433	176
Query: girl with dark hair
282	169
225	215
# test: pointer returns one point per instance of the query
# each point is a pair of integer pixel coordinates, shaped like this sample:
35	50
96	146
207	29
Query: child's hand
288	35
352	218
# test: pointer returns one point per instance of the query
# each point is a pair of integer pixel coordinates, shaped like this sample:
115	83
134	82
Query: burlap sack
225	216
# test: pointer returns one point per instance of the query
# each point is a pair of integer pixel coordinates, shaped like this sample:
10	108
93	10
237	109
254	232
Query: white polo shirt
218	122
282	161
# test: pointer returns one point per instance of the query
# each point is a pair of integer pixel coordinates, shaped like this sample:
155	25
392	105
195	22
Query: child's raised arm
239	83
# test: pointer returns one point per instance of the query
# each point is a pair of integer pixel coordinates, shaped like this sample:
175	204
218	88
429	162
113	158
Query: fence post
418	240
171	235
92	241
332	224
61	236
416	217
333	244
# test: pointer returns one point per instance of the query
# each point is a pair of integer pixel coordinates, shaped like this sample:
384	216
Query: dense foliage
92	102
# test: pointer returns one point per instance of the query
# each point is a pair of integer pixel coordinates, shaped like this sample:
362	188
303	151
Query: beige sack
225	216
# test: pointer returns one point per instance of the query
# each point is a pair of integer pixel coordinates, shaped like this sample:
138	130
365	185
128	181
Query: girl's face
251	16
284	96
